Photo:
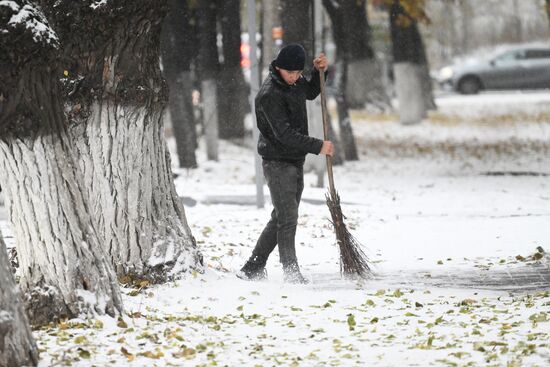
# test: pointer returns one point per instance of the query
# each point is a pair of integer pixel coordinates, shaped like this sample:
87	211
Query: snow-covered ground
442	224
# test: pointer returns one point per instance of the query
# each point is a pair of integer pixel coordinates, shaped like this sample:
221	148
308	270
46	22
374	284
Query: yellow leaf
467	302
80	339
121	323
188	353
152	355
127	354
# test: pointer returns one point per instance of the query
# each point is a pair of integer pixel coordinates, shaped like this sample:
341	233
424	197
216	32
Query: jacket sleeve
313	85
273	111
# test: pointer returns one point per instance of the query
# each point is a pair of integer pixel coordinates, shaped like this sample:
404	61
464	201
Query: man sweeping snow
283	144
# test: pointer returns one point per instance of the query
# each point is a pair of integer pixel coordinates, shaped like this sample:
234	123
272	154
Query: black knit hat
291	57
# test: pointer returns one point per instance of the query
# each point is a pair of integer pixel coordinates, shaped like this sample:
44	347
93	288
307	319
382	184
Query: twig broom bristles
353	261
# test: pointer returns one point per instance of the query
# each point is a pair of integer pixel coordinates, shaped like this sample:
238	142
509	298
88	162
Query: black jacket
281	116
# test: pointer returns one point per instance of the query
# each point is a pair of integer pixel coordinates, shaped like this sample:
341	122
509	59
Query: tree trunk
296	23
365	86
116	97
232	89
466	13
352	35
408	83
344	121
17	346
353	40
427	87
270	19
177	46
64	270
338	156
208	67
410	67
210	118
337	14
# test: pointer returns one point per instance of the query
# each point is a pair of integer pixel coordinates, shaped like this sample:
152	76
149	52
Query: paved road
531	277
528	277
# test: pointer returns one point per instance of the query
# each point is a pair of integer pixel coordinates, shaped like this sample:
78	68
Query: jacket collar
276	76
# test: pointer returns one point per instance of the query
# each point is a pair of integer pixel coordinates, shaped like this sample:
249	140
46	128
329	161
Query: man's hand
321	62
328	148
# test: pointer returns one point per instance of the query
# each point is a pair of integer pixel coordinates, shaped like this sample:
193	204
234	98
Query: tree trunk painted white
364	84
64	270
116	112
408	87
177	46
128	176
338	156
210	116
17	346
427	89
208	68
316	163
232	87
344	122
182	118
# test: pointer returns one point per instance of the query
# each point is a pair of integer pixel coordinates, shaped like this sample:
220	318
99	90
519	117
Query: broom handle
325	130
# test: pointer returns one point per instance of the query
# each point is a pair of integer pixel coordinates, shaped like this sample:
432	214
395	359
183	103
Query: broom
353	261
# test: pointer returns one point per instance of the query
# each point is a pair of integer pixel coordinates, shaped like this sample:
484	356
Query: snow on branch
32	18
98	4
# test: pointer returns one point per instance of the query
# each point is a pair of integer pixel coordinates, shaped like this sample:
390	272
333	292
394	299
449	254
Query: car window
510	56
538	54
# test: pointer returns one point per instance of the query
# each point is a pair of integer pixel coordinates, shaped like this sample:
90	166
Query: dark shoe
293	275
254	269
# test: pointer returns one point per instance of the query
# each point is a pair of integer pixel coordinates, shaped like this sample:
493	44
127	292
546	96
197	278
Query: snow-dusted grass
421	218
467	135
215	320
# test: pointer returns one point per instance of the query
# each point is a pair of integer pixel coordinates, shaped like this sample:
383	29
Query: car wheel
469	85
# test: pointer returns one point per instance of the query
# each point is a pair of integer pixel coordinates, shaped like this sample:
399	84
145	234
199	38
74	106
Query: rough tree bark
410	67
115	97
177	45
17	346
232	88
64	270
352	35
209	68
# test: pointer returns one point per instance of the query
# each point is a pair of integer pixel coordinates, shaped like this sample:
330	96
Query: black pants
286	183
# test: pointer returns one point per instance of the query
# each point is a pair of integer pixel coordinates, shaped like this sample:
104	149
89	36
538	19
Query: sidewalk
517	280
